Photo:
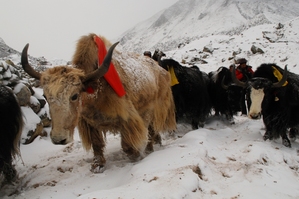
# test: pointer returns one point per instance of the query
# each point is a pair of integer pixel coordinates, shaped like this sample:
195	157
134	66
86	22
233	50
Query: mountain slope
5	50
188	20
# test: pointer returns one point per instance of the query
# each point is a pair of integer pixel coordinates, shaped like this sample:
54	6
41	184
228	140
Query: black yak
274	93
190	91
11	125
225	96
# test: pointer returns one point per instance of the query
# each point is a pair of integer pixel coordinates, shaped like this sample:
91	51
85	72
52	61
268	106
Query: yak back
191	94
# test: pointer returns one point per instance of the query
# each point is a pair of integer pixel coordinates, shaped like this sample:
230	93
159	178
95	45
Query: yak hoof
231	120
9	172
292	139
134	157
149	148
98	165
96	168
286	143
267	136
196	126
292	134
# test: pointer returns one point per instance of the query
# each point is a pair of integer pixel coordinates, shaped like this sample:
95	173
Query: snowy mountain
188	20
5	50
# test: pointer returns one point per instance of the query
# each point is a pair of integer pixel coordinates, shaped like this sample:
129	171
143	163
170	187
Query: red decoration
111	76
89	90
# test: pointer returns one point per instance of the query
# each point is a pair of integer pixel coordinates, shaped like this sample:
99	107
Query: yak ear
282	79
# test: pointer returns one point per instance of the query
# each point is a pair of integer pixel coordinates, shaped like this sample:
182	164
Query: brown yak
146	109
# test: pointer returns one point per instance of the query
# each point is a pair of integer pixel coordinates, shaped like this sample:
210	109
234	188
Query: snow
218	161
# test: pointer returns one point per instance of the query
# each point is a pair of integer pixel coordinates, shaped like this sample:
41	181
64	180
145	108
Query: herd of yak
154	94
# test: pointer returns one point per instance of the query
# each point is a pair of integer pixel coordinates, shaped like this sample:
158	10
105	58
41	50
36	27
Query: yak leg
98	146
91	137
285	140
243	102
229	116
292	134
268	135
154	138
8	170
194	124
201	121
134	136
133	154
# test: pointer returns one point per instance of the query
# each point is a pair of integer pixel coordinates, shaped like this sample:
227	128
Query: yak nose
255	116
59	142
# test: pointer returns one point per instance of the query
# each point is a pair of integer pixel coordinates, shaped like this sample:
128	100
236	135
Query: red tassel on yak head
111	76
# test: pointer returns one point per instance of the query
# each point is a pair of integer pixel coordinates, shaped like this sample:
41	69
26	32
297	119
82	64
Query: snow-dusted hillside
188	20
279	45
5	50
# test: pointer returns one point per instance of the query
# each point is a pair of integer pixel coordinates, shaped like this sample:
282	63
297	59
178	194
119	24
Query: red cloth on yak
111	76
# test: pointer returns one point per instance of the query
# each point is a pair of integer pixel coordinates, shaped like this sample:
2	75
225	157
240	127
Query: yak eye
75	97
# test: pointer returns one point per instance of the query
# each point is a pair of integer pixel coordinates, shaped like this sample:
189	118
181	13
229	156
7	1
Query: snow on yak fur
190	91
274	93
11	124
82	97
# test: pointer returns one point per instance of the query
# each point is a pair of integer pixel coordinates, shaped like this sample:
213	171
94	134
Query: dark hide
11	124
226	100
191	94
158	55
280	106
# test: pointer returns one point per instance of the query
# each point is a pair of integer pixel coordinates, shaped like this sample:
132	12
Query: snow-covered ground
217	161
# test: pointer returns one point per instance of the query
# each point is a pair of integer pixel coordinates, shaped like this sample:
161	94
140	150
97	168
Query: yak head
62	86
157	56
258	86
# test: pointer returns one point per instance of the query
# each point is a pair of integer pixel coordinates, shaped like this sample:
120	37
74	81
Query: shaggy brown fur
147	104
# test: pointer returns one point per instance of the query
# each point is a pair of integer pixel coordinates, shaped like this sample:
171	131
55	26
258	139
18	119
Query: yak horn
283	79
102	70
236	81
225	87
26	66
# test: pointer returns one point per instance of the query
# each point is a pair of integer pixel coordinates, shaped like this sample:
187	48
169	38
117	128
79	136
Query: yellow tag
174	79
278	75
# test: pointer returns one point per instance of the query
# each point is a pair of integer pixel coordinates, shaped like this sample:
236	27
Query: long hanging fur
280	106
144	105
11	125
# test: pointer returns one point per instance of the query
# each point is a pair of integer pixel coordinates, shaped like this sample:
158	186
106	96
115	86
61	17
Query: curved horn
236	81
102	70
223	85
283	79
26	66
